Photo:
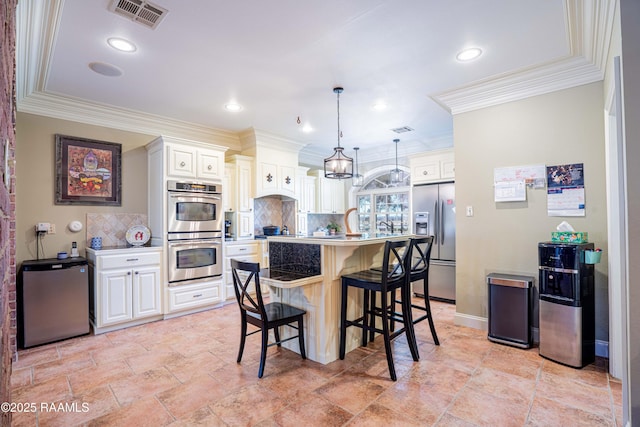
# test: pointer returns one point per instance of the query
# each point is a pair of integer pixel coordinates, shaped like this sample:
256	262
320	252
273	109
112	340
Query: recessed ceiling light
469	54
307	128
379	106
121	44
233	107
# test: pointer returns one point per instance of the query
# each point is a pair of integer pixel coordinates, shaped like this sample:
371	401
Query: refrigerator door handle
436	222
442	222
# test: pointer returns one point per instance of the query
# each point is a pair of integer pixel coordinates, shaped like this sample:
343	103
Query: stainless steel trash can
510	309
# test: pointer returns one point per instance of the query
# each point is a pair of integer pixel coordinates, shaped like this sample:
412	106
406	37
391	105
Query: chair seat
277	311
371	279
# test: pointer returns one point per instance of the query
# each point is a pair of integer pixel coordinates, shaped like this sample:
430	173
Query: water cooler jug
567	305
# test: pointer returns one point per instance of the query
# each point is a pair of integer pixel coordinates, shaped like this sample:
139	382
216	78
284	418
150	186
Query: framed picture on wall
88	172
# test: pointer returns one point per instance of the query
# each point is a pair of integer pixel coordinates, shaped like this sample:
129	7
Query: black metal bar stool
392	276
264	316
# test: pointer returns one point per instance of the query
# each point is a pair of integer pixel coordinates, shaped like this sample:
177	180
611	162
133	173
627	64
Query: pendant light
396	176
358	180
338	166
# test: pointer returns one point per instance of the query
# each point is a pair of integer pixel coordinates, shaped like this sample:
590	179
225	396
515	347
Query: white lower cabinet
126	287
253	251
194	296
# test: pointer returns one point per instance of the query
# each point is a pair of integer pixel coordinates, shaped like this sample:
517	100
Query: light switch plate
469	210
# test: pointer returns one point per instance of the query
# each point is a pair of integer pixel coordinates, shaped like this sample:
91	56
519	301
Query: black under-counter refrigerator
53	300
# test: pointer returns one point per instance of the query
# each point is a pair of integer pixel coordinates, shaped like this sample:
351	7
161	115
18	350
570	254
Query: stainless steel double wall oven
195	226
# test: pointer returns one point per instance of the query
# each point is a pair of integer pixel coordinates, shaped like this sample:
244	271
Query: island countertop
340	239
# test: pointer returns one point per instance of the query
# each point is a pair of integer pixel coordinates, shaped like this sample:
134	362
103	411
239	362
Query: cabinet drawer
189	296
236	250
129	260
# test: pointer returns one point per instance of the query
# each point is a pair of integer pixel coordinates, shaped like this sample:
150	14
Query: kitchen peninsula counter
319	293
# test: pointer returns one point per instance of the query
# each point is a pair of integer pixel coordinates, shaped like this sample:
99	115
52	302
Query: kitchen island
322	260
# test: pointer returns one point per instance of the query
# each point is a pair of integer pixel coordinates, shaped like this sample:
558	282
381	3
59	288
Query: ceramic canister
96	243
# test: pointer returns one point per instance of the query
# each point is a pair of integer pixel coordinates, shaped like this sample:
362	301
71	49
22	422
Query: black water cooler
567	305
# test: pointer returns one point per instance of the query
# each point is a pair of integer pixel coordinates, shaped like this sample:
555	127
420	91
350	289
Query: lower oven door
194	259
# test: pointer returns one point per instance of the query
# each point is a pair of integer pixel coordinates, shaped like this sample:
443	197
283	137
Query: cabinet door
310	194
245	225
210	165
244	183
302	224
116	297
268	178
448	169
288	179
338	198
228	189
182	161
146	292
425	172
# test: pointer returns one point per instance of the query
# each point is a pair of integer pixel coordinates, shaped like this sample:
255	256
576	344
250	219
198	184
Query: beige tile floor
182	372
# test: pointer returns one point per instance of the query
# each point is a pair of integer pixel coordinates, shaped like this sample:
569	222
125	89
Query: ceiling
281	60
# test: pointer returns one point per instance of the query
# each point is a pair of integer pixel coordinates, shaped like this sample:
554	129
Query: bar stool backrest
243	288
420	255
395	261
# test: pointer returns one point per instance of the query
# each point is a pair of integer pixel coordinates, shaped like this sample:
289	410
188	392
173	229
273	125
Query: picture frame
88	172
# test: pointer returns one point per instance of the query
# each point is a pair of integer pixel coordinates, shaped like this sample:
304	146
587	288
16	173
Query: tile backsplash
112	227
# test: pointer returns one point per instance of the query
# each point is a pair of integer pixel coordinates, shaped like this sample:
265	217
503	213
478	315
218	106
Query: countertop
340	239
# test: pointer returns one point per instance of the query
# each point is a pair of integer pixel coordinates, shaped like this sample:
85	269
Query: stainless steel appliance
194	208
53	300
434	210
194	258
567	304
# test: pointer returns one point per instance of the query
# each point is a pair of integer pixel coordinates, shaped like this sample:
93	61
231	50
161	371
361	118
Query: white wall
557	128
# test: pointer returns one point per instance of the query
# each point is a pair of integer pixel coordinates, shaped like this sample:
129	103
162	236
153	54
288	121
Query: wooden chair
419	270
392	276
253	310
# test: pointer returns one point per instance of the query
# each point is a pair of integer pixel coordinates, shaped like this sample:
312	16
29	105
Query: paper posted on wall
565	190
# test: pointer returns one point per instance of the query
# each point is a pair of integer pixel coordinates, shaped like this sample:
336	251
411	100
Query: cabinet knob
209	167
136	272
425	172
128	273
182	164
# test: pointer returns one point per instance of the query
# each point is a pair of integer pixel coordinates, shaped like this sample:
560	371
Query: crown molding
589	26
78	110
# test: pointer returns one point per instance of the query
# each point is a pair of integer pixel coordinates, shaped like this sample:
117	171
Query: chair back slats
243	287
394	262
421	254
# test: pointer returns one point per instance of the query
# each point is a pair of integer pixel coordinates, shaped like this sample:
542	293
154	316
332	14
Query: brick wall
7	203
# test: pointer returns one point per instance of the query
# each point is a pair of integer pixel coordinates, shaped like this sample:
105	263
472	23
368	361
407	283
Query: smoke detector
140	11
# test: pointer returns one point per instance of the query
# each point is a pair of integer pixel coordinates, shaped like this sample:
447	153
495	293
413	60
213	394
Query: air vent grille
141	11
402	129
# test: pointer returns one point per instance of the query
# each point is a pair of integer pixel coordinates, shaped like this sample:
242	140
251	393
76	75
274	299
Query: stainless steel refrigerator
434	213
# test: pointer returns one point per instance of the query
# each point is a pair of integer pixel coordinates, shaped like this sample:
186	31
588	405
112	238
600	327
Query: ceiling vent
402	129
141	11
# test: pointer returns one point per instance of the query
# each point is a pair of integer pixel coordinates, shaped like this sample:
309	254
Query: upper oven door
189	212
194	259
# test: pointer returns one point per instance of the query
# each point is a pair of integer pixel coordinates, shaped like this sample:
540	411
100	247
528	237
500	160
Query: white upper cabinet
276	163
305	191
192	160
330	194
432	167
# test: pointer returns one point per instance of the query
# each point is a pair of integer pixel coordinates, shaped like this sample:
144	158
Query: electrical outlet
52	229
42	226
